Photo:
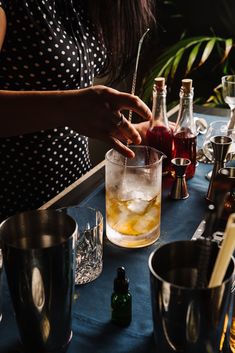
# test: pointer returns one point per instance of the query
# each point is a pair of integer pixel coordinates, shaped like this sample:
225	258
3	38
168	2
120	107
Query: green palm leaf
166	59
192	57
176	61
228	47
170	60
207	51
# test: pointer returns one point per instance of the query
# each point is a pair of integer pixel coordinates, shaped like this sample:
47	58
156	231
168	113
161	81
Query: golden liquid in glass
133	217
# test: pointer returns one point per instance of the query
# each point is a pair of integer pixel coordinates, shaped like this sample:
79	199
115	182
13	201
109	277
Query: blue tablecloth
92	328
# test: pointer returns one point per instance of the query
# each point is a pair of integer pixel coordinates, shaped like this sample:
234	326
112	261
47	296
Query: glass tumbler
89	245
133	197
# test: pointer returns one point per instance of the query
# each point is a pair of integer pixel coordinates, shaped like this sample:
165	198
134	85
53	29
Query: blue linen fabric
92	328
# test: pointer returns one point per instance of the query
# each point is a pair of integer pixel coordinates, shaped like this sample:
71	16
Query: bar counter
93	330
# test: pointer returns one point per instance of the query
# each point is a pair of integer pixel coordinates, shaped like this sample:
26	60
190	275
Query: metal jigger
220	145
179	189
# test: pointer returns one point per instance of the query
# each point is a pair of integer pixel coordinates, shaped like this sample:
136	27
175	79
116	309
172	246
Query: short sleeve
3	4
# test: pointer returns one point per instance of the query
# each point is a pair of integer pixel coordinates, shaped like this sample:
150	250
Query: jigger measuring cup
179	189
38	256
220	145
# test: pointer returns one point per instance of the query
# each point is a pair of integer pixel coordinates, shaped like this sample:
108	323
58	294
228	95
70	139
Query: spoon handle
136	69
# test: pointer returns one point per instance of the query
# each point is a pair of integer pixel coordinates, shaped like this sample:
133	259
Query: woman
51	51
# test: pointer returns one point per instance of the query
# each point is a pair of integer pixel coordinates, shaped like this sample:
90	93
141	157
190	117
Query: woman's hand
144	126
99	112
142	130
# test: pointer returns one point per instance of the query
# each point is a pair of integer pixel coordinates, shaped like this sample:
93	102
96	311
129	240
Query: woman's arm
91	111
94	111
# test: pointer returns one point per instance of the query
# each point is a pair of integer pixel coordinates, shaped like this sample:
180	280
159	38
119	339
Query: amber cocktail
133	197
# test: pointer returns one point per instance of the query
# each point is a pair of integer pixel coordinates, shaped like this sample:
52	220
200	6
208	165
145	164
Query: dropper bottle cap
121	282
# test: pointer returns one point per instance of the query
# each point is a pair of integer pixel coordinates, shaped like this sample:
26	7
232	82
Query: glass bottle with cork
185	133
160	135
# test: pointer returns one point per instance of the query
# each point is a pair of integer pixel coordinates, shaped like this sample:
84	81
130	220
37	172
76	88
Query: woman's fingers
121	148
124	128
126	101
142	129
102	117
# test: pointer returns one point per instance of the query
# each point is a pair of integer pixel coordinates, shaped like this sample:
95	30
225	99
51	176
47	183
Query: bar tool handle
225	253
134	79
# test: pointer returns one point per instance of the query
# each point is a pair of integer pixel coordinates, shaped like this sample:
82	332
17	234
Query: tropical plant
204	58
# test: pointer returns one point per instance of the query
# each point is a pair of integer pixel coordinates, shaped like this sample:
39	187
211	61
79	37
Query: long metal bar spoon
133	86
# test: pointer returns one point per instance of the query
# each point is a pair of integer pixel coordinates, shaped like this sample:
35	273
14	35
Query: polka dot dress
49	45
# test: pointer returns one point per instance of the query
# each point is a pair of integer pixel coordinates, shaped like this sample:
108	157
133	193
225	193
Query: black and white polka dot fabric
49	45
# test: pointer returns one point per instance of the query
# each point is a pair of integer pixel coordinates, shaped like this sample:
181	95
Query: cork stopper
187	84
159	82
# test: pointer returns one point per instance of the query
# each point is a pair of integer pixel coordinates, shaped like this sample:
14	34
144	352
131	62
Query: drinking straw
225	253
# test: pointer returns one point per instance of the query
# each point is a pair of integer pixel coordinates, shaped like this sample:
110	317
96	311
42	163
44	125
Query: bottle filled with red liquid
160	135
185	134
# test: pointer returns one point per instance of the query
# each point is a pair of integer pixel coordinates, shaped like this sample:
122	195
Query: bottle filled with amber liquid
159	134
185	133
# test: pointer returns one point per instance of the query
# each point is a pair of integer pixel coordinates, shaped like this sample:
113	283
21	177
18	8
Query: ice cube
138	206
120	219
